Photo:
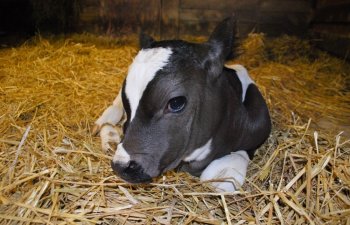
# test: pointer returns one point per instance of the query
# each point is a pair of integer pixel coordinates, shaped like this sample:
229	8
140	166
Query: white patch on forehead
142	71
121	156
243	76
200	153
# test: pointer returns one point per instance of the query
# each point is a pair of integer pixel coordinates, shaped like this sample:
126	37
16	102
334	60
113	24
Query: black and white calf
185	109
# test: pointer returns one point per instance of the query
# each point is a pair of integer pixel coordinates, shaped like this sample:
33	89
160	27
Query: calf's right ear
145	40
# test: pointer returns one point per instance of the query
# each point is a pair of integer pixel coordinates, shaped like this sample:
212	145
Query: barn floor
53	170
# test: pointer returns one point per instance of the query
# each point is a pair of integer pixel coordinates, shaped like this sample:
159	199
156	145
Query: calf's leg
230	168
112	115
110	135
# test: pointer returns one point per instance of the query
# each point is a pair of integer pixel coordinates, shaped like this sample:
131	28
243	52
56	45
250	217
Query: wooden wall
119	16
178	18
330	26
327	22
270	16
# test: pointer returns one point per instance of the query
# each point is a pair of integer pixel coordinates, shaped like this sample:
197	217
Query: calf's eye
176	104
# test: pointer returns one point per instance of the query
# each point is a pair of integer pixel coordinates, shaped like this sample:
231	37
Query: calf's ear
221	46
223	38
145	40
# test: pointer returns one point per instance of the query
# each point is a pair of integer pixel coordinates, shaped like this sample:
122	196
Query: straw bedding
53	170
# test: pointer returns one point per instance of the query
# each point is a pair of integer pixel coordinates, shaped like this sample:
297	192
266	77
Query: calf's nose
127	169
131	172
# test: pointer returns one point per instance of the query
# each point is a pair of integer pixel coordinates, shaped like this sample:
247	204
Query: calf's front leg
105	124
112	115
231	168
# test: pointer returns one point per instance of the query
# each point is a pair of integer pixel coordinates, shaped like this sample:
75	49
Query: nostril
132	165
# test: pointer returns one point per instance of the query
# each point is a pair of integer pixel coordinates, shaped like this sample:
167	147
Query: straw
59	86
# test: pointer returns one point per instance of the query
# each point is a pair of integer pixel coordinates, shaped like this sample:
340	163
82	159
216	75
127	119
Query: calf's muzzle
131	172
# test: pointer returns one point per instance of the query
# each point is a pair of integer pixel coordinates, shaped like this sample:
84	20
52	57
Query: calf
185	109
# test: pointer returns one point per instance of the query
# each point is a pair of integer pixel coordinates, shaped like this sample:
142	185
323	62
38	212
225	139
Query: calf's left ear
223	38
221	45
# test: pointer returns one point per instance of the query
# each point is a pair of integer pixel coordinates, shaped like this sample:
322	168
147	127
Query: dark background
326	21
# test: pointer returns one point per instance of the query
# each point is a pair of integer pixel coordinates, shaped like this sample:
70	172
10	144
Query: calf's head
169	95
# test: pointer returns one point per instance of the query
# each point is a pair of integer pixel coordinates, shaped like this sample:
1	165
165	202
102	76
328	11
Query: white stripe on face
243	76
142	71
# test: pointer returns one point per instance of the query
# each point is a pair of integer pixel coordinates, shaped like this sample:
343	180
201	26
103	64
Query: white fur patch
143	69
232	167
243	76
200	153
113	114
109	135
121	156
